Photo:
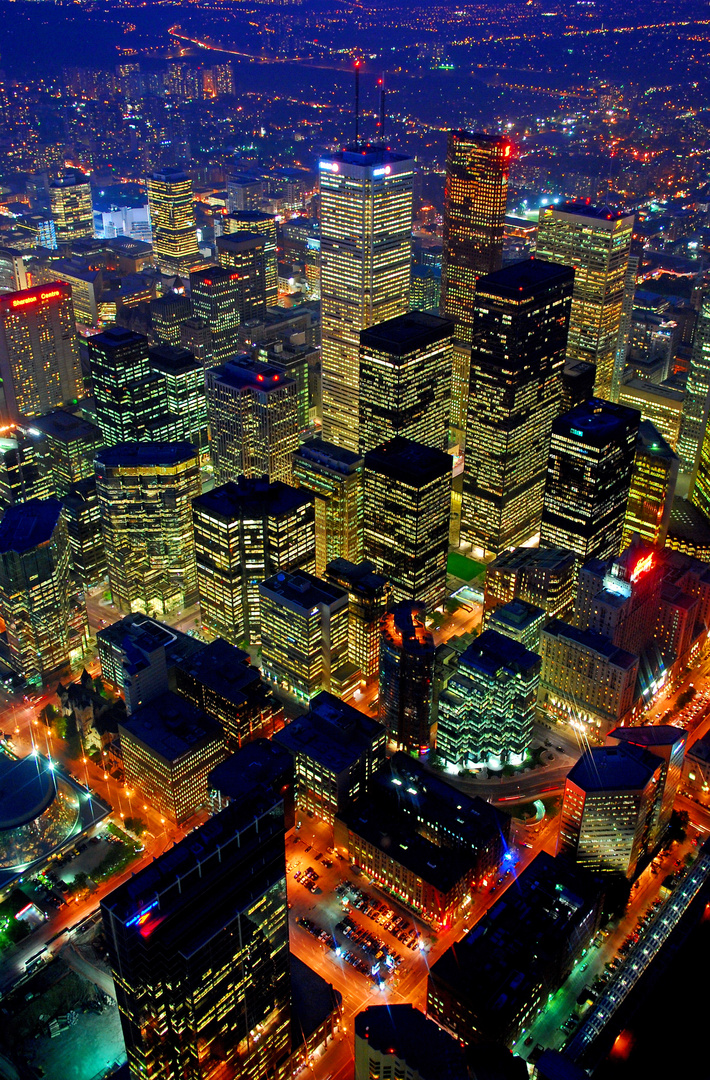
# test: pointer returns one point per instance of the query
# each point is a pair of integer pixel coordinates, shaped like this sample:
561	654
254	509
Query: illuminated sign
49	294
506	152
330	166
142	915
642	567
384	171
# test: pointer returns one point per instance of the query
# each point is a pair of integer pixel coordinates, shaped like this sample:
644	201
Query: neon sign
47	295
642	567
140	918
384	171
330	166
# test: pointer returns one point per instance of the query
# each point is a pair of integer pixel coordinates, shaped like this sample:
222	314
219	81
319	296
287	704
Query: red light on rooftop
207	281
260	378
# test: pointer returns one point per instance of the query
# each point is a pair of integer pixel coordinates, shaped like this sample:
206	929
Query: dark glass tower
477	168
406	675
519	342
216	292
198	943
588	478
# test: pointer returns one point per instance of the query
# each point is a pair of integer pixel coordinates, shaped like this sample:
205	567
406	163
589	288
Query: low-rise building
169	748
518	620
336	750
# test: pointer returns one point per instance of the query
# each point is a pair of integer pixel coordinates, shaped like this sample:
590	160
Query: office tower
661	404
517	356
182	380
172	221
595	242
168	748
487	711
607	817
21	478
421	840
220	679
13	271
399	1040
366	245
72	207
697	394
700	482
243	193
522	950
168	313
301	362
39	359
304	635
405	380
426	288
245	532
198	946
334	476
196	337
407	495
145	494
368	598
244	254
546	577
35	587
518	620
585	679
667	744
257	223
406	676
336	751
82	515
137	655
215	293
252	412
129	396
577	383
653	482
475	194
588	477
66	447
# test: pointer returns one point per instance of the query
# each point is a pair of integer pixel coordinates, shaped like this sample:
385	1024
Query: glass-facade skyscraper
517	356
72	206
366	255
172	220
694	420
596	243
407	677
475	194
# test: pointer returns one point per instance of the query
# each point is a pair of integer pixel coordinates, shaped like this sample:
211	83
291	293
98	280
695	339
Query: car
529	1041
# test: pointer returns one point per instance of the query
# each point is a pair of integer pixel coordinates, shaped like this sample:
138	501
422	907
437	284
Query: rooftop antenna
381	124
357	101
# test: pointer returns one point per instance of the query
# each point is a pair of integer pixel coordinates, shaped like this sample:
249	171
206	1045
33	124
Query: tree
135	825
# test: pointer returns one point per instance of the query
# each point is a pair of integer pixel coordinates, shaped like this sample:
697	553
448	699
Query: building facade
172	221
406	677
369	596
334	476
652	488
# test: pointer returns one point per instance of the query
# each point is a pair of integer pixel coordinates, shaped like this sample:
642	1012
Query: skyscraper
215	294
366	227
407	496
253	418
667	744
245	532
35	587
39	358
517	356
368	599
145	493
697	396
72	206
244	255
487	711
588	477
172	220
128	393
198	945
182	380
304	635
264	225
595	242
195	335
405	380
65	449
652	487
406	677
334	476
475	193
167	315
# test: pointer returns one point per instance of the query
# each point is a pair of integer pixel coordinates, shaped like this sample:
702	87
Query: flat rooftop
492	652
173	360
613	768
303	590
597	422
547	558
406	333
663	735
261	763
517	614
590	639
409	462
411	1036
171	726
225	670
331	733
26	525
66	427
252	498
328	456
580	208
244	373
134	455
525	279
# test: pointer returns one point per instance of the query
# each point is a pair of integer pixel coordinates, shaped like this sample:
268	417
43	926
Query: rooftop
244	373
260	763
597	422
252	498
302	590
172	360
242	240
171	726
649	441
525	279
582	208
132	454
368	155
613	768
406	1033
328	456
406	333
517	614
26	525
27	787
360	578
547	558
332	733
225	670
590	639
492	652
66	426
138	634
409	462
646	389
663	735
